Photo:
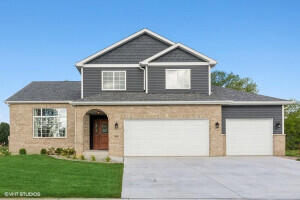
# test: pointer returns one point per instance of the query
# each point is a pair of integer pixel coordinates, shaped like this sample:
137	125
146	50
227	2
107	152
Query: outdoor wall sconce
116	125
278	125
217	125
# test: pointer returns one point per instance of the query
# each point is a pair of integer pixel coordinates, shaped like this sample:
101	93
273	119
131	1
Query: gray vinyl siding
199	80
178	55
92	80
240	112
132	52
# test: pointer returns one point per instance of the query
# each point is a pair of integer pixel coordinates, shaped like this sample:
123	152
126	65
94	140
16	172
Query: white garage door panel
249	136
166	138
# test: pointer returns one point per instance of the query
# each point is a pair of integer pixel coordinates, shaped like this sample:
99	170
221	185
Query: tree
292	126
4	133
233	81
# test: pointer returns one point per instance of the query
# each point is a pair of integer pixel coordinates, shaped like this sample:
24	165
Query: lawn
295	153
59	178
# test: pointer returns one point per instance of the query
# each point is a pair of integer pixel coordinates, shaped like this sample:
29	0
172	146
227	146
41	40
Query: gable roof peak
210	61
121	42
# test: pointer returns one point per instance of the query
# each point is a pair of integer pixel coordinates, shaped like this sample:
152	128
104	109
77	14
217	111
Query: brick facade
21	129
78	126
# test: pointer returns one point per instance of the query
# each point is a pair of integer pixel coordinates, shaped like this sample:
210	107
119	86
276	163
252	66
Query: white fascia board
82	62
147	102
261	102
163	52
198	54
158	64
109	65
211	61
182	103
38	102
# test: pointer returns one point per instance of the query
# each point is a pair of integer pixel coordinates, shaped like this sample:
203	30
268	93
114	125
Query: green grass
292	153
59	178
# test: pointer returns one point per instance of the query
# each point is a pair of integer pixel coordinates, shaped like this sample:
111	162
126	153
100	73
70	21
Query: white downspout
144	77
81	70
282	132
209	80
146	80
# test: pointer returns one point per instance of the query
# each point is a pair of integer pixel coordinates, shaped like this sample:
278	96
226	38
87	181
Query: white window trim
177	88
33	117
113	82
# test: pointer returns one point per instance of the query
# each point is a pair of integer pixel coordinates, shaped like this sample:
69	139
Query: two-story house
146	96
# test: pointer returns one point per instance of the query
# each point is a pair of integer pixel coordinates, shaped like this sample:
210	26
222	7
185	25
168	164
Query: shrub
74	157
58	151
107	159
68	152
51	151
43	151
22	151
82	157
93	158
298	159
4	151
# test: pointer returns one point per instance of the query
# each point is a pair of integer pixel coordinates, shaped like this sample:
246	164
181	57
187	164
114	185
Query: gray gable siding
199	79
234	112
178	55
92	80
132	52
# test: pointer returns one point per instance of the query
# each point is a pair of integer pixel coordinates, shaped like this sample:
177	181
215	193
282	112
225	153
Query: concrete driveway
211	177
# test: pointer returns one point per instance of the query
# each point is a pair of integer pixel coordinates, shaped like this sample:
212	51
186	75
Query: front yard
59	178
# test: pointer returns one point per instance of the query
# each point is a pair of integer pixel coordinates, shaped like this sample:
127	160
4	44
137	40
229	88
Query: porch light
217	125
278	125
116	125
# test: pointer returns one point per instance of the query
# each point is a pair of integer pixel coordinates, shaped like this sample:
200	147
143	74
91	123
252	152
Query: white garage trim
249	136
166	137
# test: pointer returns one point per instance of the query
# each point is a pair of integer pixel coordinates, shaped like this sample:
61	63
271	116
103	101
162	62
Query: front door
100	134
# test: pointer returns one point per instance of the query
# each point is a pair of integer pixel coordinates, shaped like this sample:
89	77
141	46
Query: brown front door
100	134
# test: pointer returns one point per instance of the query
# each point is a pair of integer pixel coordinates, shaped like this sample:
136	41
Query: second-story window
113	80
178	79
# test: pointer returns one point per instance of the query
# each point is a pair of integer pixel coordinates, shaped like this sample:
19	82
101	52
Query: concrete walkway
211	178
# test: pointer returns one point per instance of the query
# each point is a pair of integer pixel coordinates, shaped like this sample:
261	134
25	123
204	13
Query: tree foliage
233	81
292	126
4	133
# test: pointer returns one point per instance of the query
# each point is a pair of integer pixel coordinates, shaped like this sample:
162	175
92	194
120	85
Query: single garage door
249	136
166	138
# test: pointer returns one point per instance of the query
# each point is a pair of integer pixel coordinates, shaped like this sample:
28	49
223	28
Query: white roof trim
82	62
183	102
228	102
178	64
37	102
110	65
188	49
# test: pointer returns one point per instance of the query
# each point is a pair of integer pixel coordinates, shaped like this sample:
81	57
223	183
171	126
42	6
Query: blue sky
42	40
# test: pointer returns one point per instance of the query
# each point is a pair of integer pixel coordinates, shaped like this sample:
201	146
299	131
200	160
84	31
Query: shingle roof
218	94
48	91
70	91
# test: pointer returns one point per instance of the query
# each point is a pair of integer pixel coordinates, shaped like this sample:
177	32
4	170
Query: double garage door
166	138
191	137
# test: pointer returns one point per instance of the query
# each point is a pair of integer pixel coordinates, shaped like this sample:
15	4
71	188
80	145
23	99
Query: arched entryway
98	130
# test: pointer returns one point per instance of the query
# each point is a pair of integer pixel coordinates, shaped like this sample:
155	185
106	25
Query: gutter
226	102
183	103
